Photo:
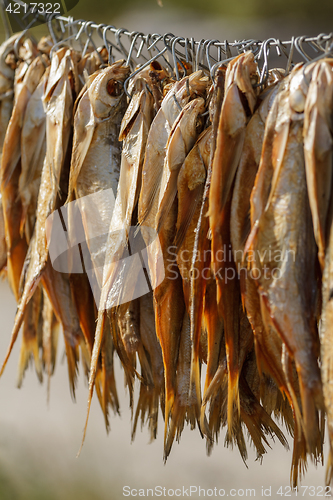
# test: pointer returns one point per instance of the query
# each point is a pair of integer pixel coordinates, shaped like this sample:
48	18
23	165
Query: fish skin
50	337
133	134
96	155
58	101
202	254
190	188
105	106
245	177
168	296
33	150
318	128
10	172
157	142
294	323
181	139
268	346
109	396
57	287
151	395
229	146
30	342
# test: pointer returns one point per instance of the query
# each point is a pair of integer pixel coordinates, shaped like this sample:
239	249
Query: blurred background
39	441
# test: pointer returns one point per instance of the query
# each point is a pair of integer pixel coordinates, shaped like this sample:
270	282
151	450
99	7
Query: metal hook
213	69
153	46
227	49
175	58
122	48
129	57
208	56
70	37
50	18
290	57
126	82
198	54
264	50
107	44
299	47
23	34
90	40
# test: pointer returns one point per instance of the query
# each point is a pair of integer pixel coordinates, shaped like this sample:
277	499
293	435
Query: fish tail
215	384
99	393
233	397
259	423
169	401
93	368
195	383
145	366
29	349
106	391
17	325
148	403
299	463
310	397
204	426
128	363
72	354
176	426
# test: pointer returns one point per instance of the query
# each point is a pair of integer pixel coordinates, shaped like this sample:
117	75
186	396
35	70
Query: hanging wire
187	49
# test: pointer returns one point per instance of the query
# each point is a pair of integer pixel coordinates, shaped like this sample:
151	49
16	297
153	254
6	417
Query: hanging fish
58	100
290	310
318	142
10	172
240	77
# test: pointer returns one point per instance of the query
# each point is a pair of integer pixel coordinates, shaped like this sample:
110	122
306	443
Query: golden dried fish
133	133
201	261
181	139
190	187
96	155
168	296
245	177
177	97
282	248
184	406
10	172
318	128
7	74
33	150
229	145
59	101
150	395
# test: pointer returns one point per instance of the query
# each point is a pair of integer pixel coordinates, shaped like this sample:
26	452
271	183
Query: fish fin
72	354
93	367
29	349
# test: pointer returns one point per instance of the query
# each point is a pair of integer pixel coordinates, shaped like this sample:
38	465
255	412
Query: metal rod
238	46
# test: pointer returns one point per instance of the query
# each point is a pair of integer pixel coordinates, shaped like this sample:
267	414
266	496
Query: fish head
107	89
243	71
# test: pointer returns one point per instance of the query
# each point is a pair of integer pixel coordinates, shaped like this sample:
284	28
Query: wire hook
126	82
